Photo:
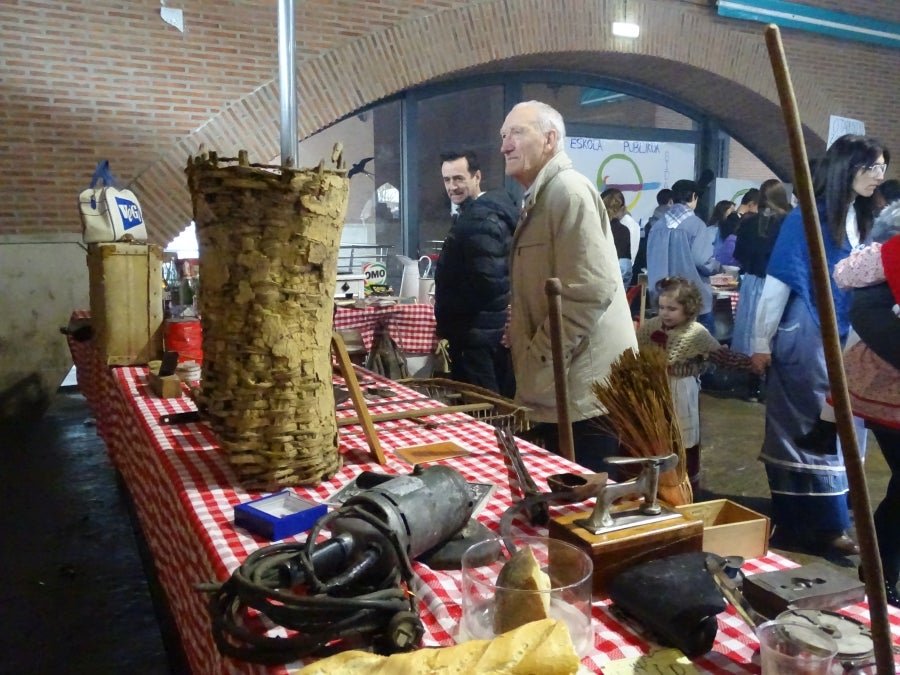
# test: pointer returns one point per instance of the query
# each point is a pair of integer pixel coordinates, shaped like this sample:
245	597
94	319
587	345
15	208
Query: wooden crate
614	552
729	528
126	301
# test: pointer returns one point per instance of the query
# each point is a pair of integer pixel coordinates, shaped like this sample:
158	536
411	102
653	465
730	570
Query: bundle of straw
641	412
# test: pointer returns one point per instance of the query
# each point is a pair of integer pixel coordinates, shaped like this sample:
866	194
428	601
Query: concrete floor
77	598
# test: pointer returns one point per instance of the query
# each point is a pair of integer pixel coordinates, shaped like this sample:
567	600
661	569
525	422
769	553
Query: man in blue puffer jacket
472	277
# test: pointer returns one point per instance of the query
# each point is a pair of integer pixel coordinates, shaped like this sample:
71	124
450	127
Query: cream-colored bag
107	213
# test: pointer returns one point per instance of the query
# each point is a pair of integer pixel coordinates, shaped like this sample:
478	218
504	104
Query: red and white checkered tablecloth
185	493
411	325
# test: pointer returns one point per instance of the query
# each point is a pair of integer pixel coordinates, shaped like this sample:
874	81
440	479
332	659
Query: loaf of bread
538	648
523	592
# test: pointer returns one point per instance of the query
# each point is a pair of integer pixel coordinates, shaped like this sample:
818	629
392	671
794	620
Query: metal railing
351	257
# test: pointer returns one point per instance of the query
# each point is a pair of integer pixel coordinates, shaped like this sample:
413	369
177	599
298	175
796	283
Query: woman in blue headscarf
809	486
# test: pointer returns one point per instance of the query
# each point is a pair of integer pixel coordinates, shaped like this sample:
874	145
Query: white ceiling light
625	29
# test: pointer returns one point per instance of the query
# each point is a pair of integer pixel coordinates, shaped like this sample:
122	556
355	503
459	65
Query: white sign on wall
639	169
732	189
839	126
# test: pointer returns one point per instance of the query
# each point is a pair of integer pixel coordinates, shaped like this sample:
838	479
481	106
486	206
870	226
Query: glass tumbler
791	648
569	597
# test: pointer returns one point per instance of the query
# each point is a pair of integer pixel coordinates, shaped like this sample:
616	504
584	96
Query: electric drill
353	581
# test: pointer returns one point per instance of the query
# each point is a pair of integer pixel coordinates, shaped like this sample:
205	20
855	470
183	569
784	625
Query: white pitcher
409	282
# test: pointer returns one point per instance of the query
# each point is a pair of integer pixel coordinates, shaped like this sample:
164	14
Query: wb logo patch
130	212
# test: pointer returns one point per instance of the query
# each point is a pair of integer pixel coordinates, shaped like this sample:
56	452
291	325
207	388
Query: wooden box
617	551
167	386
729	528
126	301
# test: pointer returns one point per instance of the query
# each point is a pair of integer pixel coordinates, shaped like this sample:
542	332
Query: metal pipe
287	82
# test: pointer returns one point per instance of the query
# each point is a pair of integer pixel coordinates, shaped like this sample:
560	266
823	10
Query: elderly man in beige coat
564	232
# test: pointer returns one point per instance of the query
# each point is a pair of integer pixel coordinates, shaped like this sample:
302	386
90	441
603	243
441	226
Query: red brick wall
109	79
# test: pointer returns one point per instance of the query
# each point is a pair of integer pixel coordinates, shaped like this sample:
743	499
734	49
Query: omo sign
376	274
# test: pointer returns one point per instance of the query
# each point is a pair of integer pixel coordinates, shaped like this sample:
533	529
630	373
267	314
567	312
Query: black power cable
346	610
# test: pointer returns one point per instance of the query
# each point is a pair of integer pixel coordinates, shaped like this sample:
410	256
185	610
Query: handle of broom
859	492
553	289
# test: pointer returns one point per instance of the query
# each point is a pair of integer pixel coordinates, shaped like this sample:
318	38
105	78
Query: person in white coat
564	232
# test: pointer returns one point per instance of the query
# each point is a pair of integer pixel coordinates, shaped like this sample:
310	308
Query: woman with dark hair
887	192
720	213
755	240
626	231
614	201
721	232
809	502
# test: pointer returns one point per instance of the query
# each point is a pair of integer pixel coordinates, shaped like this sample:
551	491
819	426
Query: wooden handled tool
859	491
415	414
538	511
339	349
553	288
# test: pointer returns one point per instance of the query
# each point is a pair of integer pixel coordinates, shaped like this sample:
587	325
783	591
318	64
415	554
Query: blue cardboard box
278	516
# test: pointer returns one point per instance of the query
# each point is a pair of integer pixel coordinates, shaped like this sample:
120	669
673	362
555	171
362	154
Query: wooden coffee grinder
628	524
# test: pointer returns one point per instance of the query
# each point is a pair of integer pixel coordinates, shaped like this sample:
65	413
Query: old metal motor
351	590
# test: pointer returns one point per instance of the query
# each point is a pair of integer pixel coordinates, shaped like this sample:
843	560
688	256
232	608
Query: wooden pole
859	492
339	349
553	289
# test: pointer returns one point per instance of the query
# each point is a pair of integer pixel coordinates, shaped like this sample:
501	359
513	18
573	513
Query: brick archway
684	54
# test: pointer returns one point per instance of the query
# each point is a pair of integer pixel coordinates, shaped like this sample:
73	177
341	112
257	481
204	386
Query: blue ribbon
103	173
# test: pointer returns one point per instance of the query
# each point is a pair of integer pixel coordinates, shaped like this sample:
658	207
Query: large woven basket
268	239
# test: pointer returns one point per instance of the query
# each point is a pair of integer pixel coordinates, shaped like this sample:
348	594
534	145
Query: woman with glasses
809	486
